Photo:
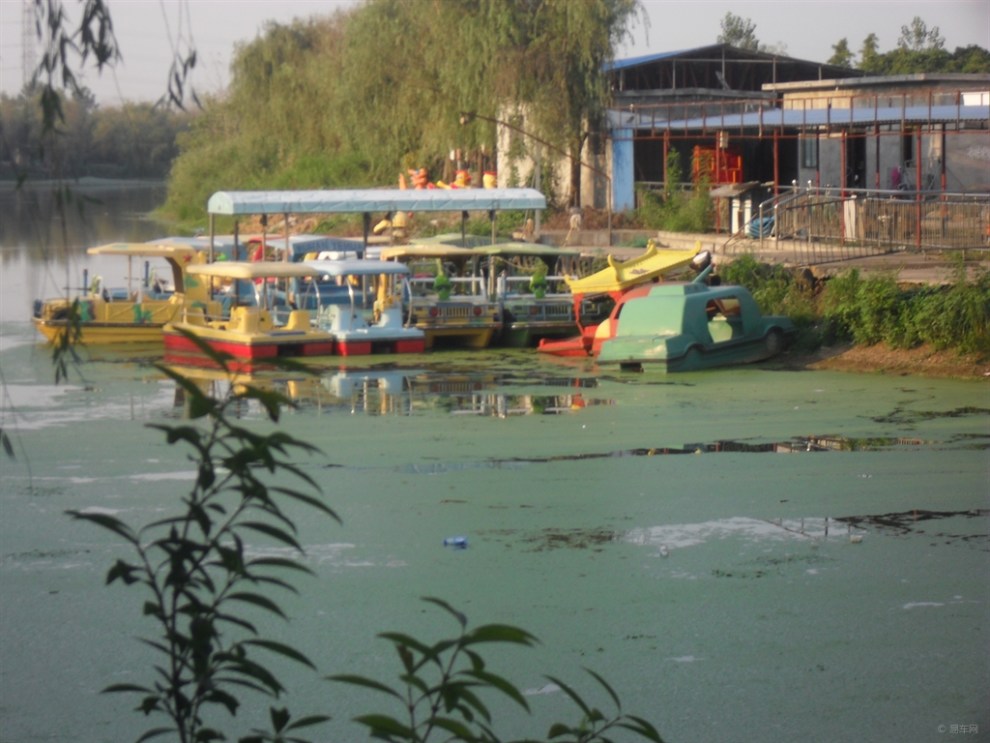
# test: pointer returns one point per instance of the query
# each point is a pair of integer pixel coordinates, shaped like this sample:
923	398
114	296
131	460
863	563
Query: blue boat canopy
338	201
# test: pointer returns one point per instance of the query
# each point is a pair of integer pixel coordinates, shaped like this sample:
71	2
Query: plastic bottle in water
456	542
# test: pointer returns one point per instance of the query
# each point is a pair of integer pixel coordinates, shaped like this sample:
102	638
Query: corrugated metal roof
341	201
730	54
796	118
625	64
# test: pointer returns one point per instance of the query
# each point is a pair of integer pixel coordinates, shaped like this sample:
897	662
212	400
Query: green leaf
280	717
309	500
383	725
126	688
309	721
455	727
8	448
154	733
256	599
365	682
607	687
459	616
575	697
273	402
407	641
273	532
501	684
123	571
219	358
641	727
219	696
251	670
281	649
500	633
105	520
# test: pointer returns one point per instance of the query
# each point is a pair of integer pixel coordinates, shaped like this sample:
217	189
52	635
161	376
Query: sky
148	31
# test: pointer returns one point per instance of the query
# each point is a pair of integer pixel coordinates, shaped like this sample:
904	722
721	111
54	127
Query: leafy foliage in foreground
203	590
440	684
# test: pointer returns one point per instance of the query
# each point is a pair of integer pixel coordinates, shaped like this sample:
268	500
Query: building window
809	152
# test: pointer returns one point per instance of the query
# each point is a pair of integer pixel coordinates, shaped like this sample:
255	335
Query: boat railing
461	287
520	286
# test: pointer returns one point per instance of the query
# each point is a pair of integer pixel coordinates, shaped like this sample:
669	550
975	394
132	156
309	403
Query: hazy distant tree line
919	49
136	140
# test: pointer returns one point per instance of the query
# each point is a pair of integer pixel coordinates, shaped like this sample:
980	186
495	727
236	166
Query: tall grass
874	309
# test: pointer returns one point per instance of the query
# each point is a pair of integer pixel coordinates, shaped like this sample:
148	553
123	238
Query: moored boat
137	312
448	299
595	296
528	282
360	303
253	334
691	326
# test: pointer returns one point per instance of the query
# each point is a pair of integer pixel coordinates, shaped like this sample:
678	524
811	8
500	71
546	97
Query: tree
971	59
870	59
918	38
919	49
738	32
841	54
400	82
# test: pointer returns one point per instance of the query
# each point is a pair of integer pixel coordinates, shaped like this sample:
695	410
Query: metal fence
826	225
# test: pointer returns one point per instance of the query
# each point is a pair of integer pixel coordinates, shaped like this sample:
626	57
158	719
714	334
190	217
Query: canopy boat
253	334
447	297
528	281
360	303
388	201
136	312
595	296
690	326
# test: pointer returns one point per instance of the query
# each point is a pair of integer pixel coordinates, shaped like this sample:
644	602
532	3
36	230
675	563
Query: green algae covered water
745	554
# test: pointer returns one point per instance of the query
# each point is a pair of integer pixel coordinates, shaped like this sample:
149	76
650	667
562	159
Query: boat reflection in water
394	391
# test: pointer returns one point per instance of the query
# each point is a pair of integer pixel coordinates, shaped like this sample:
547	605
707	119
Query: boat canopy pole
288	247
491	218
366	221
212	235
237	243
464	216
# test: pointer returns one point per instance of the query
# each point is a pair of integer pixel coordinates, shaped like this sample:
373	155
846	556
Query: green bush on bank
674	210
870	310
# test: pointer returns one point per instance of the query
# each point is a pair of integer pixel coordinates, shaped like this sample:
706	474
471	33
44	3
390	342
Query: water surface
744	554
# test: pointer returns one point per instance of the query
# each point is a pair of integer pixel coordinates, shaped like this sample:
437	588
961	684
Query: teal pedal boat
691	326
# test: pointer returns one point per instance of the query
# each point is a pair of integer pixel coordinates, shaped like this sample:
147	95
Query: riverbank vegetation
868	311
136	140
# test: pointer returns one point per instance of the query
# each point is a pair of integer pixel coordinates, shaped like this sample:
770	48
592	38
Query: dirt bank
924	361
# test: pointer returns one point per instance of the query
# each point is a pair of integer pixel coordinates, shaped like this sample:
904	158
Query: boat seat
244	319
298	320
194	316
